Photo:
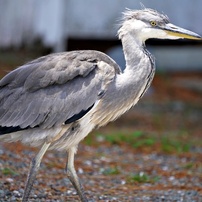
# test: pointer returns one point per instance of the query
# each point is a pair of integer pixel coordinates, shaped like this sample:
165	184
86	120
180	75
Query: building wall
53	21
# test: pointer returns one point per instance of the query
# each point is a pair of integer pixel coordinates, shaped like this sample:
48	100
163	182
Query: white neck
137	61
139	69
130	85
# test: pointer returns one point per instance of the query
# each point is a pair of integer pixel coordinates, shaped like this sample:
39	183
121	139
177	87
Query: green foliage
136	139
8	171
167	143
142	178
170	145
144	142
89	141
188	166
111	171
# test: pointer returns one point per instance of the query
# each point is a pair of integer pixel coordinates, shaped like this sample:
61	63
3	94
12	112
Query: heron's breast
106	112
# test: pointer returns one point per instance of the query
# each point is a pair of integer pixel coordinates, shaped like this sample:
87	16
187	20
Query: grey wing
54	89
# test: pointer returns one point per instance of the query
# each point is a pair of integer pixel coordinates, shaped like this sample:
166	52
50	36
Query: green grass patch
142	178
8	171
136	139
188	166
111	171
168	143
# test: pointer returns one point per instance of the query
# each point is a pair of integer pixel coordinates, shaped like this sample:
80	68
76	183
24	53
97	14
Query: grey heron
56	100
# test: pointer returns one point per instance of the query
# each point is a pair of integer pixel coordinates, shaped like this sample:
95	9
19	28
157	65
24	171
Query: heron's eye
153	23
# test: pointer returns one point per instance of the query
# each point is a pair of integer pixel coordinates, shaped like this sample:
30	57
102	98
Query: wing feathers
55	89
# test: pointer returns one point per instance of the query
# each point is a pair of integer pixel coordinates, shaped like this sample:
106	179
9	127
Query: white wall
56	20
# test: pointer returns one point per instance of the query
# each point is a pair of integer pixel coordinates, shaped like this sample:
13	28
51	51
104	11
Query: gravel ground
175	181
107	170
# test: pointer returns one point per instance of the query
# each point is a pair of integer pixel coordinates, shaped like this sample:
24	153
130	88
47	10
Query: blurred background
59	25
167	121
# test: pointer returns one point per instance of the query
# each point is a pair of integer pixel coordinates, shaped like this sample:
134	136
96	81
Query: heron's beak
178	32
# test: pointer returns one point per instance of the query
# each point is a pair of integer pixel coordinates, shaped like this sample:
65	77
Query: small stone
16	193
87	162
80	171
2	193
9	180
123	182
171	178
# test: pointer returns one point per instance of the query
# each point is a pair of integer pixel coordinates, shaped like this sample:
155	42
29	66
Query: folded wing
54	90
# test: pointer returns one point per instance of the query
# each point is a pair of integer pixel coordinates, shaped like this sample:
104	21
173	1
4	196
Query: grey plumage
56	100
43	92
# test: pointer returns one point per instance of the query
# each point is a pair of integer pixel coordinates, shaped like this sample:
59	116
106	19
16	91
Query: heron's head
147	23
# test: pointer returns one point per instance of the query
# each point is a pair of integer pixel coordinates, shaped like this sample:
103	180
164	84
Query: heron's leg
71	173
34	166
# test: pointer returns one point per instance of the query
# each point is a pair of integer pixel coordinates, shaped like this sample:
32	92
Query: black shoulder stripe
78	116
5	130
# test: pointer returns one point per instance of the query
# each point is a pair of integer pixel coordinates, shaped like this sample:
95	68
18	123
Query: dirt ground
152	153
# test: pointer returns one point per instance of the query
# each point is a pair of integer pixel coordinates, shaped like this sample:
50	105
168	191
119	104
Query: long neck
138	74
139	62
130	85
133	52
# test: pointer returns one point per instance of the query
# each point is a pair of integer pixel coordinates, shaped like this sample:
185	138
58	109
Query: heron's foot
71	173
29	184
77	185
